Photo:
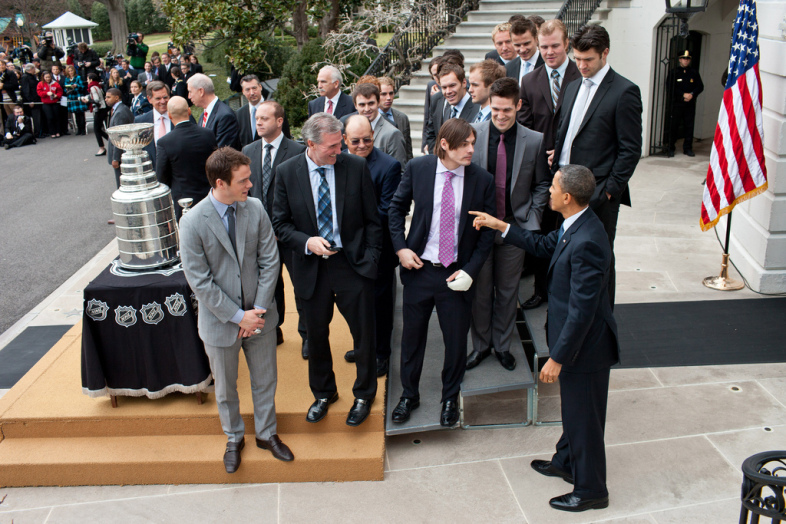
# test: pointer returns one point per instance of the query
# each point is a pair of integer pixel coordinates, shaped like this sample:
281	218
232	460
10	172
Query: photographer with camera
49	53
137	51
85	60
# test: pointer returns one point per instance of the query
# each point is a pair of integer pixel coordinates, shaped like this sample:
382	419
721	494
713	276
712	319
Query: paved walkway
676	437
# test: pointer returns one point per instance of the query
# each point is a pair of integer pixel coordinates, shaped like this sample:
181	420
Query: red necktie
330	107
204	118
500	176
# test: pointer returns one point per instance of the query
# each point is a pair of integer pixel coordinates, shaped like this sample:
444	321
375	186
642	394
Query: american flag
737	171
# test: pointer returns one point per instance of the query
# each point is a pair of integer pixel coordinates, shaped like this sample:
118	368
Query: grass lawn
156	42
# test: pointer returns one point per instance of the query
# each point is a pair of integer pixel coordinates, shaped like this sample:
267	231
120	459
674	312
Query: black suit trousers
286	259
338	284
608	211
427	288
385	294
581	448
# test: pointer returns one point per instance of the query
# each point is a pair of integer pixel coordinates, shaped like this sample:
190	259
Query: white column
758	229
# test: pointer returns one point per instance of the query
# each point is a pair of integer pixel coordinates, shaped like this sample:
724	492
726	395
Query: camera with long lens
133	39
109	60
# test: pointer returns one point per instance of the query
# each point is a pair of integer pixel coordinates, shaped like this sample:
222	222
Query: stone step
187	459
500	16
518	5
459	40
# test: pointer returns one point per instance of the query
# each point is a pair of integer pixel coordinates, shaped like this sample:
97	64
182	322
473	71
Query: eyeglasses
356	141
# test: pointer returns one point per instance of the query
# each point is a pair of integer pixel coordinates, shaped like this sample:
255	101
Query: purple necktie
500	176
447	222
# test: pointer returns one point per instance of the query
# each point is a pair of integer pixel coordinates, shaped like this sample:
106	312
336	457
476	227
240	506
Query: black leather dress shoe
689	152
404	408
670	153
279	336
570	502
232	455
545	467
450	414
382	367
304	349
476	357
319	408
506	359
532	302
279	450
349	356
360	410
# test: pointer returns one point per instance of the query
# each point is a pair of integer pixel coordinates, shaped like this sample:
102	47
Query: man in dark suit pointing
582	334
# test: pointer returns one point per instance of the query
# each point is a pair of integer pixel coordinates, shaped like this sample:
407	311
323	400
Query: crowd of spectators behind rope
44	91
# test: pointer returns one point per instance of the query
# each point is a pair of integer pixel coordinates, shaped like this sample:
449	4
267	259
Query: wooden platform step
186	459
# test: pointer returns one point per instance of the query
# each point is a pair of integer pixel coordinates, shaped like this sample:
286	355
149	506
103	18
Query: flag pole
722	282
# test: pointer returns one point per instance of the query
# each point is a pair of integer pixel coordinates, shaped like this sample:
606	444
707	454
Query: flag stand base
722	282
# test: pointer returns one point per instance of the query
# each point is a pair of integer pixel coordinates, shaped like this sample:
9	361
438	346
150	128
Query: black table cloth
139	335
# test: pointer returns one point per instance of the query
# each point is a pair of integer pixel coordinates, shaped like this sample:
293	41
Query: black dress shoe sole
240	447
553	472
476	357
584	506
415	405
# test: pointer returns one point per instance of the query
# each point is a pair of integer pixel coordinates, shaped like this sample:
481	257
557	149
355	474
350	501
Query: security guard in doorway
685	85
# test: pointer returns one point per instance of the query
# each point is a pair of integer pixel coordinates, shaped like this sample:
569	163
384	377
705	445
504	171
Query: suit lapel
596	100
282	153
240	231
518	155
566	237
341	184
482	144
428	190
304	180
544	83
469	191
216	225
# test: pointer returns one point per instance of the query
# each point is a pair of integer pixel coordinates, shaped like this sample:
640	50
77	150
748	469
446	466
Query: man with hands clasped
440	257
230	259
582	333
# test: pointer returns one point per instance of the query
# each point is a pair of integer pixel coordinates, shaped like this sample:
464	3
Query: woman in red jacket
50	93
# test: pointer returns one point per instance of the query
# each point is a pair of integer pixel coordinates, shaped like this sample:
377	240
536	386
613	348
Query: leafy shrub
297	79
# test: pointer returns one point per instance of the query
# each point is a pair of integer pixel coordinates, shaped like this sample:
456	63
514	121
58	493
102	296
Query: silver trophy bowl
144	214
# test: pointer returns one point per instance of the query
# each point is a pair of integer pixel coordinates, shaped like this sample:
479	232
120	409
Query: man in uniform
685	85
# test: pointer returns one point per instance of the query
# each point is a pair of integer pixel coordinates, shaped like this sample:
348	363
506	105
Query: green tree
100	16
298	80
75	7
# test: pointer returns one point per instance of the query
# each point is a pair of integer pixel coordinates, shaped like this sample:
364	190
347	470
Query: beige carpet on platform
53	434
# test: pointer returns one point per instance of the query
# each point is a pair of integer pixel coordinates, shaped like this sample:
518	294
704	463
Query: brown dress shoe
279	450
232	455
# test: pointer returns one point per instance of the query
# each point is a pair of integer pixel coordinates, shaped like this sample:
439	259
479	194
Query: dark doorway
668	46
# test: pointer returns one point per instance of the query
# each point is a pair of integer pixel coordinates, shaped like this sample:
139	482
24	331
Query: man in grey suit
387	93
387	137
453	102
266	155
516	156
119	115
230	260
148	75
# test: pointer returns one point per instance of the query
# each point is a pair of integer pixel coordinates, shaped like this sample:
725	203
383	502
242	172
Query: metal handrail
576	13
426	27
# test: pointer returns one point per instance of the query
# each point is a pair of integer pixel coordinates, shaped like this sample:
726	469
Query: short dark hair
222	162
591	36
156	85
176	72
516	18
578	181
490	71
448	68
111	91
278	109
520	27
505	88
454	54
455	131
249	78
92	76
537	20
366	91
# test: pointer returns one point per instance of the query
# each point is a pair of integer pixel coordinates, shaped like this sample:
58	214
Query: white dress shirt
431	252
316	180
209	111
276	143
335	103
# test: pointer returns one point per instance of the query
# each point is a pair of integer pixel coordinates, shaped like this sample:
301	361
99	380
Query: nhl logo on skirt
125	316
152	313
176	304
96	309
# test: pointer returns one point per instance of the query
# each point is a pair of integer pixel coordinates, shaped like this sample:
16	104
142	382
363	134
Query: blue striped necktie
325	211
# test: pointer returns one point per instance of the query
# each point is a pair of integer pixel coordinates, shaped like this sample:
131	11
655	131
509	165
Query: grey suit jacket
122	115
142	78
402	123
390	140
530	177
213	272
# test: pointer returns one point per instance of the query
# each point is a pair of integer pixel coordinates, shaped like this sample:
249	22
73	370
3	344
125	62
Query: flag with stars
737	171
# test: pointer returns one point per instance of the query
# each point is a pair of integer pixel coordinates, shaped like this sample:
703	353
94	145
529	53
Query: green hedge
297	79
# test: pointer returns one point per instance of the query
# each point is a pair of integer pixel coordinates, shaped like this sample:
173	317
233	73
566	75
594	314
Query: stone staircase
473	39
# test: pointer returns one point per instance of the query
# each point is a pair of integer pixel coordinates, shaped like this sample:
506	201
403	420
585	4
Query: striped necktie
447	223
325	211
554	89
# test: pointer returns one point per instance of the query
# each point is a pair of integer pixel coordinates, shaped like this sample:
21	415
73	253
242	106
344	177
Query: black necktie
231	227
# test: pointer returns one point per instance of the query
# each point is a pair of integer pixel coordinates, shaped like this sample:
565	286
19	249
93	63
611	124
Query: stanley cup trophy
144	215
